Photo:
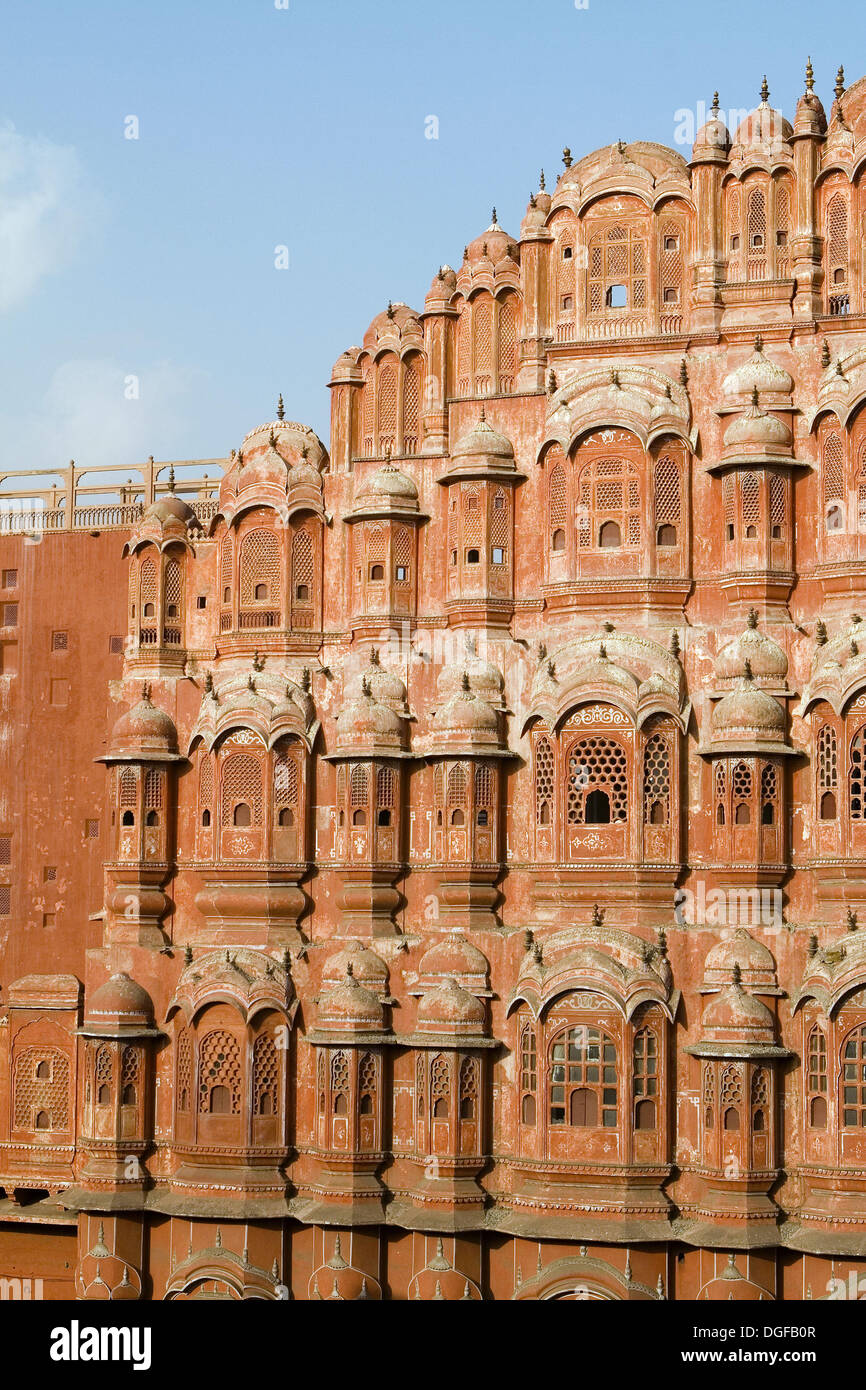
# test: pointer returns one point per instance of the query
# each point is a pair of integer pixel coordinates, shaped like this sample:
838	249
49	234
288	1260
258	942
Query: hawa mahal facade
433	866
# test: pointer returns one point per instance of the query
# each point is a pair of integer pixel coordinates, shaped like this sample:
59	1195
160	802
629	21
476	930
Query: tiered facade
451	889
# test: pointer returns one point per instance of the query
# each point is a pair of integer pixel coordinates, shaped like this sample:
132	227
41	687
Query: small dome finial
755	397
281	409
597	916
493	221
464	681
390	310
566	157
759	343
483	416
765	91
840	82
715	106
171	478
736	975
747	670
752	619
365	686
821	633
541	181
810	76
825	354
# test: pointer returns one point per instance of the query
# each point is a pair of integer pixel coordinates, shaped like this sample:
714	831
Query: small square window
671	243
616	297
48	919
402	574
781	238
91	830
10	615
10	579
730	532
5	849
115	646
671	296
498	555
200	601
49	873
454	557
5	899
59	641
567	253
757	240
735	243
566	301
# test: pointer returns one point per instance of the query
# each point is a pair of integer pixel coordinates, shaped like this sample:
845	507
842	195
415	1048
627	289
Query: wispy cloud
45	210
99	412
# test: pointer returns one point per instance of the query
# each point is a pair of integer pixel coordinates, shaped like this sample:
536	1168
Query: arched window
557	500
242	787
709	1097
597	764
220	1071
259	569
742	794
386	393
609	505
833	469
756	217
816	1079
610	536
760	1100
102	1076
828	771
507	343
769	795
367	1084
645	1072
172	602
617	270
303	577
837	254
482	343
359	784
130	1068
440	1087
854	1079
667	501
266	1072
468	1088
582	1087
340	1083
544	781
656	781
750	503
856	804
411	403
528	1075
731	1097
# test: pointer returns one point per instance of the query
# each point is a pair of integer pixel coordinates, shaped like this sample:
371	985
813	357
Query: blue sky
303	127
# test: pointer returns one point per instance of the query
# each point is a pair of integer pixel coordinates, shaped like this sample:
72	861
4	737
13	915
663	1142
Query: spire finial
810	76
145	691
597	916
464	681
759	343
747	669
374	656
566	157
684	373
541	181
365	686
493	221
171	478
851	920
765	91
752	620
821	632
825	354
736	975
281	409
715	106
840	82
755	396
483	414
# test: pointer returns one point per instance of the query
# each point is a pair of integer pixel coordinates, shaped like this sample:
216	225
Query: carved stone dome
144	730
467	718
758	373
348	1006
482	441
366	725
713	136
455	958
386	687
748	713
367	968
119	1002
756	432
734	1015
168	508
450	1009
485	679
755	961
389	482
766	659
492	245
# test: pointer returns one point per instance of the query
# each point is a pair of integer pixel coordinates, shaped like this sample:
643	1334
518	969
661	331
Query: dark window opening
359	817
597	808
828	806
242	814
261	591
558	542
616	297
742	815
731	1121
302	593
287	816
473	557
205	817
457	817
666	535
377	572
609	537
220	1100
383	818
128	818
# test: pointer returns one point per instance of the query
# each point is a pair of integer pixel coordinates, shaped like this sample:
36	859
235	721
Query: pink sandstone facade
435	867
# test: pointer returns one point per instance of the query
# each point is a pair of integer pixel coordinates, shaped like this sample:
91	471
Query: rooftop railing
43	499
